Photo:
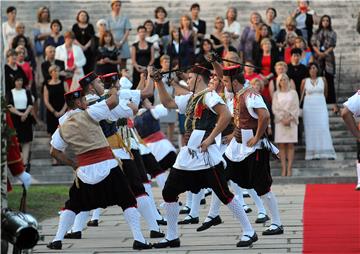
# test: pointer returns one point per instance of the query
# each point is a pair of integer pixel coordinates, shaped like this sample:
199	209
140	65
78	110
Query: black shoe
185	210
277	231
249	242
203	201
189	221
213	222
141	246
162	222
93	223
247	210
73	235
172	244
156	234
262	220
57	245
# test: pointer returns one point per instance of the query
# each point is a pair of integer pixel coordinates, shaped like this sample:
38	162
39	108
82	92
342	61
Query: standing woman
55	39
285	107
218	30
206	47
324	43
74	60
41	31
262	31
142	55
9	27
305	19
84	32
107	55
153	38
20	105
120	26
270	17
22	39
232	26
306	56
248	37
11	70
187	41
316	119
162	28
54	91
290	26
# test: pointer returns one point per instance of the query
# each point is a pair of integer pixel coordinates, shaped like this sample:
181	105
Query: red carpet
331	219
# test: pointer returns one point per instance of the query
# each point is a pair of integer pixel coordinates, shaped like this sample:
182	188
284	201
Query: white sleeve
254	101
159	111
237	29
134	95
57	142
99	111
181	102
353	104
212	99
121	111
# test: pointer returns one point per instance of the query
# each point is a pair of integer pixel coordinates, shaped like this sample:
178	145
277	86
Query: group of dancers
119	148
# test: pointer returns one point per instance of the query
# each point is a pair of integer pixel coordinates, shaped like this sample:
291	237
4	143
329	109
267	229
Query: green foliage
42	201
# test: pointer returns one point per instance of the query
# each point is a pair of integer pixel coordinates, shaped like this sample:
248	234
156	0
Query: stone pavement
113	236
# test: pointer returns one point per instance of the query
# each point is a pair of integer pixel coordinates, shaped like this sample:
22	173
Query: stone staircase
343	13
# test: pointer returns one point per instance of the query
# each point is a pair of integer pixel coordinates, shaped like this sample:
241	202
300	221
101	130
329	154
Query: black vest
146	124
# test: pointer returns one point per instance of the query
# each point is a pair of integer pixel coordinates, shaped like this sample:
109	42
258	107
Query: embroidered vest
83	133
146	124
242	117
199	116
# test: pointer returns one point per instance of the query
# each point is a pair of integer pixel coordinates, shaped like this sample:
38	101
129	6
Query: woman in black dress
20	104
84	33
162	28
108	55
142	55
12	70
54	91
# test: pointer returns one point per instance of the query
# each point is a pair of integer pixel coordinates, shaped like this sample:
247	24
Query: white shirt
93	173
234	27
133	95
353	104
8	34
184	160
20	98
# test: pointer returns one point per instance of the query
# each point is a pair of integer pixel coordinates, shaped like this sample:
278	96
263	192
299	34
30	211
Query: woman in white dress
316	119
285	107
8	28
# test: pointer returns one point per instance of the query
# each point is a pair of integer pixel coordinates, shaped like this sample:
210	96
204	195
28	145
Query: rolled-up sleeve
353	104
121	111
57	142
181	101
99	111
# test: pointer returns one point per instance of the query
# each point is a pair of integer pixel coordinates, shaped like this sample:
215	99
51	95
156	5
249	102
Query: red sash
157	136
94	156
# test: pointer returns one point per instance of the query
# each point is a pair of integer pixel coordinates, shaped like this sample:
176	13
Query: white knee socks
132	218
148	190
258	202
214	207
67	218
80	221
161	179
146	211
240	215
188	199
172	213
271	203
96	214
195	206
238	192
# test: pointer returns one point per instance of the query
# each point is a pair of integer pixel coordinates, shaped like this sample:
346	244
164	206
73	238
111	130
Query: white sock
241	216
358	172
148	190
67	218
172	214
146	211
80	221
271	203
96	214
238	192
214	207
258	202
188	199
161	179
195	206
132	218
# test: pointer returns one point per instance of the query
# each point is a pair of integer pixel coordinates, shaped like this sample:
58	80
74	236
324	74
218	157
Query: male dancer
351	109
144	203
247	155
99	181
199	164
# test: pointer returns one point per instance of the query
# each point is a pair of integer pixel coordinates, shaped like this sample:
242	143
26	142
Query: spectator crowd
291	62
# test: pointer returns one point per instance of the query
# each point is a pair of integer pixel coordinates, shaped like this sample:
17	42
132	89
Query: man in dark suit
199	24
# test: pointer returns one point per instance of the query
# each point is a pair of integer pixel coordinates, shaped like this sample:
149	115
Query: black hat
76	94
109	79
198	69
232	70
86	80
